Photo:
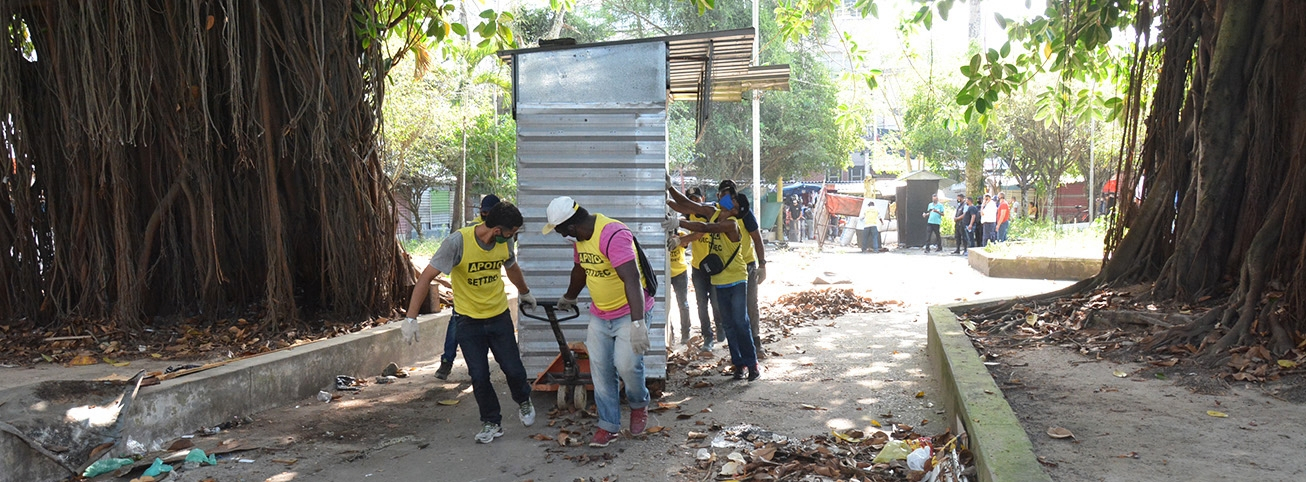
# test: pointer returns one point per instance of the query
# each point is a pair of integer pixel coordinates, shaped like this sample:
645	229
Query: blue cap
488	202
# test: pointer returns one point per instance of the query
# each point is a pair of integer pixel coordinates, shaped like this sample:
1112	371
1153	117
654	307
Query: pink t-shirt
618	245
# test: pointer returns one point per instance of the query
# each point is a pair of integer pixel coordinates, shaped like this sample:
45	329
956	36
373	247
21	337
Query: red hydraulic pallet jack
569	374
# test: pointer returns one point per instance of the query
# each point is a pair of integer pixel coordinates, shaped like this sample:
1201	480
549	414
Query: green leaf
945	6
975	63
488	14
1006	48
928	20
965	70
965	97
992	55
459	29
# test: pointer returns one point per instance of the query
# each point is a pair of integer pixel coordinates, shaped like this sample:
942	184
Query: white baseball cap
560	210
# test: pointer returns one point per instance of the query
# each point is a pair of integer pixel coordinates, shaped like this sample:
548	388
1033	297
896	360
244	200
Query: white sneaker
526	413
489	432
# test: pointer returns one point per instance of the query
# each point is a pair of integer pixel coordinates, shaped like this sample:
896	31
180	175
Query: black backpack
645	267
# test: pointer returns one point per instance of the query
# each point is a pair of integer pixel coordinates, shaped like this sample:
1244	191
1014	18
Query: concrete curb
975	406
205	399
1033	267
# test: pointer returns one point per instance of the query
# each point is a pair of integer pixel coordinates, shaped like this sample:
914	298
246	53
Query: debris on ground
748	452
1121	323
804	308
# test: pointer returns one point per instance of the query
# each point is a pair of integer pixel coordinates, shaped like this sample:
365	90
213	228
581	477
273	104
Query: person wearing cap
617	337
451	333
473	256
726	238
752	251
709	313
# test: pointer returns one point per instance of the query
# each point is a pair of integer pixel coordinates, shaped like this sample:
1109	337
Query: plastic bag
158	467
197	458
916	459
105	466
893	450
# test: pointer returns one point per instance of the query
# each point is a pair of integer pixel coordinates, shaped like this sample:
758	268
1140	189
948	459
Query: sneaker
527	413
753	373
739	373
707	346
489	432
443	372
602	438
638	420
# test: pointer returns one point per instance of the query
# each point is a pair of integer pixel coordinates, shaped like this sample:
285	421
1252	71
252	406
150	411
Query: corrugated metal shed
591	124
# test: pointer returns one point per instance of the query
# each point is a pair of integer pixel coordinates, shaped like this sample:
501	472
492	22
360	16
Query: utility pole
757	121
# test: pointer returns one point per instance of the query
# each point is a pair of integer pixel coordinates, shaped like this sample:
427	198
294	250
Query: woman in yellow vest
473	256
617	337
731	282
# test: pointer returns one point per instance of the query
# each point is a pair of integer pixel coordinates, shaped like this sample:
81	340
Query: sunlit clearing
94	416
840	424
282	477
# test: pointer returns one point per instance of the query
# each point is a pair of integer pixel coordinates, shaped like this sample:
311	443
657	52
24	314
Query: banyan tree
193	158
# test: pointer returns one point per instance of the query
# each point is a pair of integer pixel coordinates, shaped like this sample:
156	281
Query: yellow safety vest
736	270
606	288
477	284
701	245
746	249
677	259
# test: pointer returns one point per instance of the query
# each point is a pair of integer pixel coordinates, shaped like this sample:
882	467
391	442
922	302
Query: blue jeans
734	314
451	341
477	337
1002	230
706	300
871	237
608	342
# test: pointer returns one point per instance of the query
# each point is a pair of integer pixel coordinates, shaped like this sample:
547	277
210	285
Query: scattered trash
323	397
172	369
390	370
213	431
893	450
1216	414
382	380
134	447
917	458
182	444
703	454
245	461
157	468
105	466
346	383
197	458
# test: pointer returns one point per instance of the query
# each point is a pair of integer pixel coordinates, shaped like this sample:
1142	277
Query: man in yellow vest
730	279
617	337
451	334
473	257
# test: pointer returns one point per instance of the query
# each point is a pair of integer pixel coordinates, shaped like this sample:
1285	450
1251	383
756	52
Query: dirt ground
1149	427
851	372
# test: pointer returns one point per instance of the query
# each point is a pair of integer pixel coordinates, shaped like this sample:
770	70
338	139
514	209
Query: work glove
409	330
639	337
566	304
671	223
760	273
673	242
670	186
526	300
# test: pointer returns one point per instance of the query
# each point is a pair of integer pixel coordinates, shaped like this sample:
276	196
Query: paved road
855	369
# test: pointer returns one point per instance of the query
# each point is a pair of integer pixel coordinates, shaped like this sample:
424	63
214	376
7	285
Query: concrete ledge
184	405
975	406
1033	267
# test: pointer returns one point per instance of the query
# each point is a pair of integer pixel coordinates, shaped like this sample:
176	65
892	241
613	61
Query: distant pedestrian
1004	217
933	217
973	228
870	228
959	232
989	218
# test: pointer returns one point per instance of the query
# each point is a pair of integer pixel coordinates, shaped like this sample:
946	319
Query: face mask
500	239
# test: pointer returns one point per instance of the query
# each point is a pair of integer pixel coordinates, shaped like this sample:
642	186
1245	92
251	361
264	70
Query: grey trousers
680	287
753	313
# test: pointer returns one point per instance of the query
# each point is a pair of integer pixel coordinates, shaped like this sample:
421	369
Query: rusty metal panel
591	124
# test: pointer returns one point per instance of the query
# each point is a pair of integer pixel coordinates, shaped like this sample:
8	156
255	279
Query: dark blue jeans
871	239
450	341
478	338
734	316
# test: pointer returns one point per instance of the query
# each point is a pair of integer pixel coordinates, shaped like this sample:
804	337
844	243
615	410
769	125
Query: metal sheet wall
591	124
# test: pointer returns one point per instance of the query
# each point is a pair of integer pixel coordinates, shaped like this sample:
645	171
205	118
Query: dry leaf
765	453
876	424
116	363
83	360
656	429
208	24
811	407
1289	364
920	394
1060	432
541	437
448	402
1120	374
1216	414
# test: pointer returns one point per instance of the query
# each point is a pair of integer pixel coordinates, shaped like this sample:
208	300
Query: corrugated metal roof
729	53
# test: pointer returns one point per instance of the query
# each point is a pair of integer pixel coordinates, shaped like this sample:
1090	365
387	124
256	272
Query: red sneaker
638	420
602	438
